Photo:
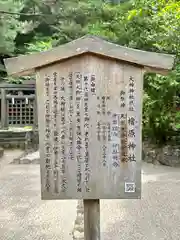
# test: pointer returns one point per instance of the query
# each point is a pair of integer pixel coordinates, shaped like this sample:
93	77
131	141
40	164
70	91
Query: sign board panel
89	111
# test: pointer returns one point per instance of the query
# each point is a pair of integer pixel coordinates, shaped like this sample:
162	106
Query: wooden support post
35	125
92	219
3	109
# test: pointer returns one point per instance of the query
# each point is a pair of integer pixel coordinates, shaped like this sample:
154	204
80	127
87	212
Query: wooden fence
18	105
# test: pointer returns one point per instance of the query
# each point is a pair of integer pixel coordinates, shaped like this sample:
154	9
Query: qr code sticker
130	187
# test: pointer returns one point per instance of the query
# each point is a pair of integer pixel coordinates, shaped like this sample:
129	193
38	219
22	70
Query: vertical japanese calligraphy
78	131
62	136
90	129
131	121
47	134
104	148
131	96
115	145
55	130
102	103
98	131
109	131
103	128
93	85
115	154
62	82
131	142
115	126
122	99
86	132
124	138
71	111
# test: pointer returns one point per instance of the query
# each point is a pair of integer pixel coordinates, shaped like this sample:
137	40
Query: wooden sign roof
150	61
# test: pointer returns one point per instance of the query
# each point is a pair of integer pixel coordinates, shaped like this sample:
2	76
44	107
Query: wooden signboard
90	129
89	96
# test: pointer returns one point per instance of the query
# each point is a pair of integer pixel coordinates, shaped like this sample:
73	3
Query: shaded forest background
28	26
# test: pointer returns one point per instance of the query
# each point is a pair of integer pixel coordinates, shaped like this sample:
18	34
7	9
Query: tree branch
24	14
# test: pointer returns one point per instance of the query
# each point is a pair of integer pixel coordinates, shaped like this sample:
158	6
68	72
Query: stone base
170	156
22	138
30	158
167	155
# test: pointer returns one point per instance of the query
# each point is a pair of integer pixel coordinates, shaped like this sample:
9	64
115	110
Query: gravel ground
24	216
155	217
8	157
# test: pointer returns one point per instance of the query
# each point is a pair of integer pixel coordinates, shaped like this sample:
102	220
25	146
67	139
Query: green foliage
151	25
9	26
39	46
177	119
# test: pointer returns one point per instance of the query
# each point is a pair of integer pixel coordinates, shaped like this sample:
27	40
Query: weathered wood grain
92	219
3	109
106	178
24	65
